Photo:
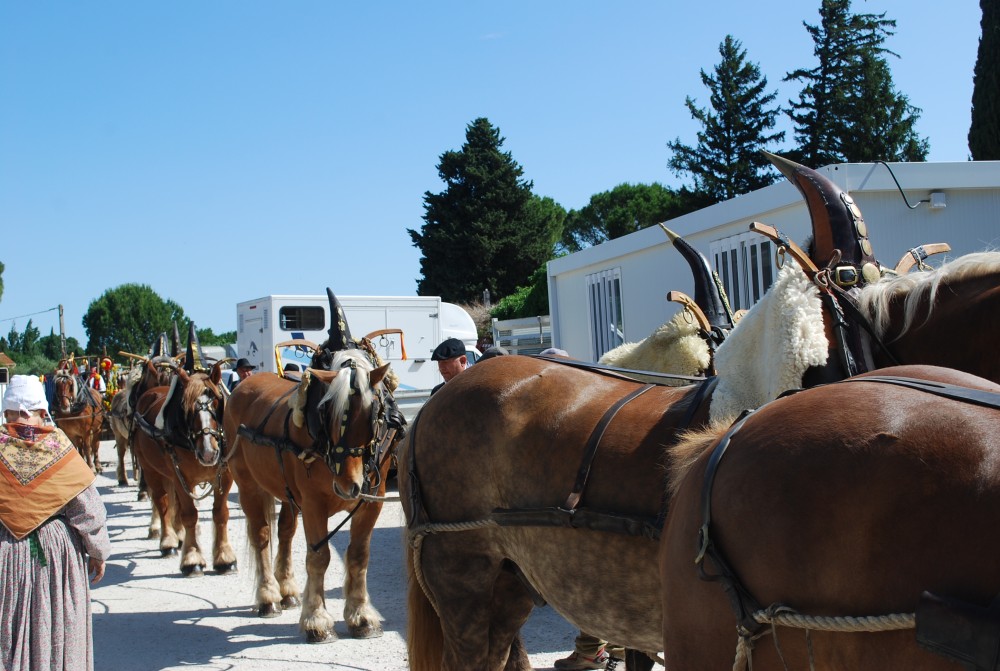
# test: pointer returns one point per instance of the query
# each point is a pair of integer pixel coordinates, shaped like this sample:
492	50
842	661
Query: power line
41	312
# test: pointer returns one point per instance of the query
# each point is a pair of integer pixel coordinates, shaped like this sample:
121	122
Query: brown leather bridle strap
595	438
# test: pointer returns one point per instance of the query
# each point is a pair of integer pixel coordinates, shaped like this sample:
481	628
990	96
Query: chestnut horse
79	412
315	445
179	445
539	412
842	501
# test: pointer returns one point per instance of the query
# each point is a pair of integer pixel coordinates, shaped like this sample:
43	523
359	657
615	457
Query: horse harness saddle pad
961	631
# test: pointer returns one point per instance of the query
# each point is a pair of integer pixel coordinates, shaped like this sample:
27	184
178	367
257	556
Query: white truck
420	324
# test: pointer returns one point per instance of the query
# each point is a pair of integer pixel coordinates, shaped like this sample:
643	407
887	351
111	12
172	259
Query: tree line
126	318
488	231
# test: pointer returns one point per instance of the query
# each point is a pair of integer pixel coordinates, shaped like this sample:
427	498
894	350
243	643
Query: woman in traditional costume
52	536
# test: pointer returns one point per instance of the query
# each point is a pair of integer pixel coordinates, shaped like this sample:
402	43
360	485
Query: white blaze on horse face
208	448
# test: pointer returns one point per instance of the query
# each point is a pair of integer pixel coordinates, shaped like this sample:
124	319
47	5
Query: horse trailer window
746	265
607	321
302	318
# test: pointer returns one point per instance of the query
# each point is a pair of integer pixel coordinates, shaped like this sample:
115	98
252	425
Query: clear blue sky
221	151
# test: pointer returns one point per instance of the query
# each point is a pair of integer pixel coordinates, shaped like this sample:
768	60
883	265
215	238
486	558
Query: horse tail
424	638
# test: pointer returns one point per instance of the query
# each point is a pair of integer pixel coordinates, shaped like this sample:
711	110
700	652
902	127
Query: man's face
244	373
449	368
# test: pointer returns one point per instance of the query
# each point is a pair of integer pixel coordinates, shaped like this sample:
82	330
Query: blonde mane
690	446
338	396
914	288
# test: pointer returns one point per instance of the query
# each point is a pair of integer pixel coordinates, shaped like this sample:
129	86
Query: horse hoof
168	552
366	630
123	483
290	601
143	496
193	571
223	569
268	610
321	636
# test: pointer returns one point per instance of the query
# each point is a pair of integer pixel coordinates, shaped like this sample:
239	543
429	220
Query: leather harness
742	602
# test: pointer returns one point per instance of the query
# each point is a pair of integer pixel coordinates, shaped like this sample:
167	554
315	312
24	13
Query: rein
751	618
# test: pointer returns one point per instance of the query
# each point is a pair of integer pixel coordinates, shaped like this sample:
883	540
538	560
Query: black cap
496	350
449	349
244	363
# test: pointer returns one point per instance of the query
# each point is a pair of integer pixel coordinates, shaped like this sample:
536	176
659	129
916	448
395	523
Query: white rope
890	622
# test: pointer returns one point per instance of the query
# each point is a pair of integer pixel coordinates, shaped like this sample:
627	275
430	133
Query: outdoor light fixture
938	201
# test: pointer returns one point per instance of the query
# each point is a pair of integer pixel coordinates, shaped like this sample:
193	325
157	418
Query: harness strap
595	438
614	371
742	602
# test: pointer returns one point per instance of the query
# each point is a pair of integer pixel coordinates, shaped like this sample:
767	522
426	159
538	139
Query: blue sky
222	151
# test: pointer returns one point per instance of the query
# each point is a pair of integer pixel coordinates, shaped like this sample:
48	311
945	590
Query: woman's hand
96	569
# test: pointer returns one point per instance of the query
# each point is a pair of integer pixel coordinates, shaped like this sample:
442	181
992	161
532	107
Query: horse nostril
355	491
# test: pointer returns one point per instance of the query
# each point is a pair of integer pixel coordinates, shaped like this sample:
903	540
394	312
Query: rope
785	617
872	623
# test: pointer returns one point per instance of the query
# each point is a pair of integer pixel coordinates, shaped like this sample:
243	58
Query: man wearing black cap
451	359
243	370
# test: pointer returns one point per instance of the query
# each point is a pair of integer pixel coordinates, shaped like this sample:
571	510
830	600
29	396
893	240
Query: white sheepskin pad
675	347
771	347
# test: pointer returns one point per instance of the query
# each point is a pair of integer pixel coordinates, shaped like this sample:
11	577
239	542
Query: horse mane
196	385
674	347
914	288
690	446
338	396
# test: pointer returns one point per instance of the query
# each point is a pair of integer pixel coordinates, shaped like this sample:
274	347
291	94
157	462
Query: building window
302	318
745	263
604	299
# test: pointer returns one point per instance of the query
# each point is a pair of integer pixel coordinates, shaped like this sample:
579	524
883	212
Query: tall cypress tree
727	160
486	230
848	108
984	133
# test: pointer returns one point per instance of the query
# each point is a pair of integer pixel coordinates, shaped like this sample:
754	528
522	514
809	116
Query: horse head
343	409
201	408
67	388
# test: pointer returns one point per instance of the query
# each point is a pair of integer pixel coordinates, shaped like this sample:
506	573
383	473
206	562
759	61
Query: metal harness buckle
846	276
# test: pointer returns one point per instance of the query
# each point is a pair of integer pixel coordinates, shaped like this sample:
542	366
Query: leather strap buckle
846	276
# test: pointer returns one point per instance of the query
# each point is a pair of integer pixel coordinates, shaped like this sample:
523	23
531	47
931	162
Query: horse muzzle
207	448
352	495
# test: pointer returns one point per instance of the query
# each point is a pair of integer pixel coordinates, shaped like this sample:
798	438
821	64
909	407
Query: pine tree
727	161
486	230
984	133
848	108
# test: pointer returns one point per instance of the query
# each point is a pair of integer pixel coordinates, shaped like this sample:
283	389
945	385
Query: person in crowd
244	369
52	535
96	381
491	352
451	359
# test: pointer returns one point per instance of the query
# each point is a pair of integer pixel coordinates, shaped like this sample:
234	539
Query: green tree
208	337
727	160
129	317
848	109
1	278
984	133
486	230
622	210
530	300
50	346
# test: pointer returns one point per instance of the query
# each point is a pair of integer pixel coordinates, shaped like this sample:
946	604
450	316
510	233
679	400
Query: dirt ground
148	617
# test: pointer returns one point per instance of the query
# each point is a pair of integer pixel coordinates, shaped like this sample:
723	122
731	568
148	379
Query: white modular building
615	292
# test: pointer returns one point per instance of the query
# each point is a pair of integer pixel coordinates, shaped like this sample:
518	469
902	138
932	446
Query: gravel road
148	617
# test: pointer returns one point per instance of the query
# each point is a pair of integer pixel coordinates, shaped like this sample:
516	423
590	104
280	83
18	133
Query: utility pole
62	331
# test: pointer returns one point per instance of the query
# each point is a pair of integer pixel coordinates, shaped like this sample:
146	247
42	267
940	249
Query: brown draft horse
848	501
313	445
523	418
79	412
179	445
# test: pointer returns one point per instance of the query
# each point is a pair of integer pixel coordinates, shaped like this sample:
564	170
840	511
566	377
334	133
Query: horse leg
143	494
223	557
161	494
95	448
154	522
362	620
258	507
120	447
288	520
481	605
315	621
192	562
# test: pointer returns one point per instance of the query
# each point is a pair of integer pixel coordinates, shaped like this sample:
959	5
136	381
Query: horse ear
216	375
837	223
378	374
